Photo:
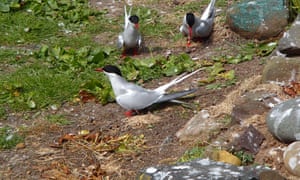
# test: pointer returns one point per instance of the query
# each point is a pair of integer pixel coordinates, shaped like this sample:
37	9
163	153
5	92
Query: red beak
189	36
136	25
99	69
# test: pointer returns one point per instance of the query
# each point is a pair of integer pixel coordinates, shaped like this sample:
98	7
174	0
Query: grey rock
199	127
260	19
291	158
289	44
245	110
250	140
273	175
283	121
280	69
253	103
202	169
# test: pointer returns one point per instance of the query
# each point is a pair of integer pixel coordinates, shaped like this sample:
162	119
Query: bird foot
131	113
188	44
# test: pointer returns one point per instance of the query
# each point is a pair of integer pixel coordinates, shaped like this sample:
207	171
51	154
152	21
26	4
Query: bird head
190	20
135	20
110	69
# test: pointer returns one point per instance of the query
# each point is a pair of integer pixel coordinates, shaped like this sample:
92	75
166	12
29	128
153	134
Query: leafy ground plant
245	157
195	152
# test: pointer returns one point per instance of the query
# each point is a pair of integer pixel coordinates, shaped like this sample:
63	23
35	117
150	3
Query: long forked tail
127	15
209	10
175	95
177	80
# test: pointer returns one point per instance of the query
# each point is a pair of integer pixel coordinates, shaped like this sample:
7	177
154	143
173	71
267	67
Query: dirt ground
58	152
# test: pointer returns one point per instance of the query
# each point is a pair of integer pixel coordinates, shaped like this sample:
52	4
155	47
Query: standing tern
133	97
130	38
195	27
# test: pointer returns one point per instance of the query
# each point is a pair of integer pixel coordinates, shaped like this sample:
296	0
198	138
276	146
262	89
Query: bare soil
58	152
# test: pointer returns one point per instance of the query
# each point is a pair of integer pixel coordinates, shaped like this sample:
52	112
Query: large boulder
202	169
283	121
260	19
289	44
291	158
281	69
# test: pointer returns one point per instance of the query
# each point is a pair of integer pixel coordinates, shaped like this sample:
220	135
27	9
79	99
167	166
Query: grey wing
136	100
175	95
205	28
140	41
120	41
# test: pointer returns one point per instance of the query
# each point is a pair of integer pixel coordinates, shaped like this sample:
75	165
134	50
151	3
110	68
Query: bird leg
123	55
135	51
189	38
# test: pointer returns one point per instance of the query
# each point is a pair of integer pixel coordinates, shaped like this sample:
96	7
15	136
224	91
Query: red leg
123	55
135	51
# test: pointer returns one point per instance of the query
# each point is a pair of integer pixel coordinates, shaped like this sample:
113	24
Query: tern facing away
195	27
130	38
133	97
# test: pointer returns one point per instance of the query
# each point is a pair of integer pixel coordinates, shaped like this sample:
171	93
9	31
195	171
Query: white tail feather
127	15
208	10
177	80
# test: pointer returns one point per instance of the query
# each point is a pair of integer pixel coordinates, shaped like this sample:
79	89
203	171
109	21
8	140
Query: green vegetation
294	9
36	86
58	119
62	62
48	53
245	157
8	138
195	152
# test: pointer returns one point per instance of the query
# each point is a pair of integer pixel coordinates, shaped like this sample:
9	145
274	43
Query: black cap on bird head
134	19
112	69
190	19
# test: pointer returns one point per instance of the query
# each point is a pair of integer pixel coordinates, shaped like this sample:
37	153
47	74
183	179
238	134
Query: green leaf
149	62
56	52
52	4
99	57
216	69
171	70
229	75
15	4
4	7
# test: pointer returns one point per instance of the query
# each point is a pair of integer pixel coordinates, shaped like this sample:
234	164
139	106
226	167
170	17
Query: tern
133	97
195	27
130	38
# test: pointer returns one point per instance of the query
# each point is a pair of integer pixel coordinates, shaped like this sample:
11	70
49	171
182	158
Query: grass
58	119
36	86
8	138
24	28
